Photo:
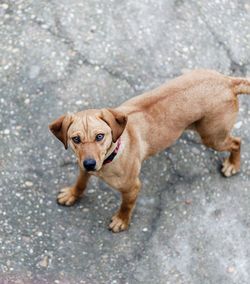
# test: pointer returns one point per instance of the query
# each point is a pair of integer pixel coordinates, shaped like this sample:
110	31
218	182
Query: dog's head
90	133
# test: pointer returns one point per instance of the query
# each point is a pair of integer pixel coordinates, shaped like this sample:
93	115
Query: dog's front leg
69	195
120	221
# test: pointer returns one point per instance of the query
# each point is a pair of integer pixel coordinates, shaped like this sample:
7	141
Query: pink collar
110	158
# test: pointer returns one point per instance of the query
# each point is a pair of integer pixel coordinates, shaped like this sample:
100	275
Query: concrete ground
191	225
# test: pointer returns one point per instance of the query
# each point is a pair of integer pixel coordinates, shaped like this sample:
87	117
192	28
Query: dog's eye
99	137
76	139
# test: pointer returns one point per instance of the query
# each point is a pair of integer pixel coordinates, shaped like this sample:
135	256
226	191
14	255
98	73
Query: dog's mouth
93	172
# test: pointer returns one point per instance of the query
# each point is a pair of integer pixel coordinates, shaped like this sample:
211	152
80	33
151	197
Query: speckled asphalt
191	225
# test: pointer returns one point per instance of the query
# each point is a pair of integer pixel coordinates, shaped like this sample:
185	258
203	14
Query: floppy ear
116	121
59	128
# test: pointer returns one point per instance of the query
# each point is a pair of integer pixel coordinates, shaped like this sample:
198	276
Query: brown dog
112	143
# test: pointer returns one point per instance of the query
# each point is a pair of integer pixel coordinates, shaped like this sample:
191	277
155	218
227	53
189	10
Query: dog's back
197	99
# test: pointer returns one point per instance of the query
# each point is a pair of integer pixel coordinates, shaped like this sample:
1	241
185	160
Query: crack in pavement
234	65
60	33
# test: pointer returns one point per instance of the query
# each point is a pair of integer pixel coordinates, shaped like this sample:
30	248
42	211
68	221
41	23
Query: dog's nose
89	164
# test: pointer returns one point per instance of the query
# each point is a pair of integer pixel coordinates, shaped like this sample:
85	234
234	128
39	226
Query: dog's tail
241	85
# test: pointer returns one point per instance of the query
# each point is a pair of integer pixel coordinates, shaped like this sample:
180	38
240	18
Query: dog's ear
59	128
116	121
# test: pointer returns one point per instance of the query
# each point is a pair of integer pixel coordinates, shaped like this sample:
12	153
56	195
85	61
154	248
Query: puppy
113	143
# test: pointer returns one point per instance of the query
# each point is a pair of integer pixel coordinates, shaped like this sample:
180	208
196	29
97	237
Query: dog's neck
112	152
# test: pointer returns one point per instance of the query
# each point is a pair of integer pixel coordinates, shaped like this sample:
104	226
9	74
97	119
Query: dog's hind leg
215	133
231	165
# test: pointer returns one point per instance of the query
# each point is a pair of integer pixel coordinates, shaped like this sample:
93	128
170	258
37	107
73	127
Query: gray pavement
190	225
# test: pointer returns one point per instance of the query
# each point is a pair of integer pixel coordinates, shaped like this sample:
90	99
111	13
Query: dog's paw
66	197
229	169
117	224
